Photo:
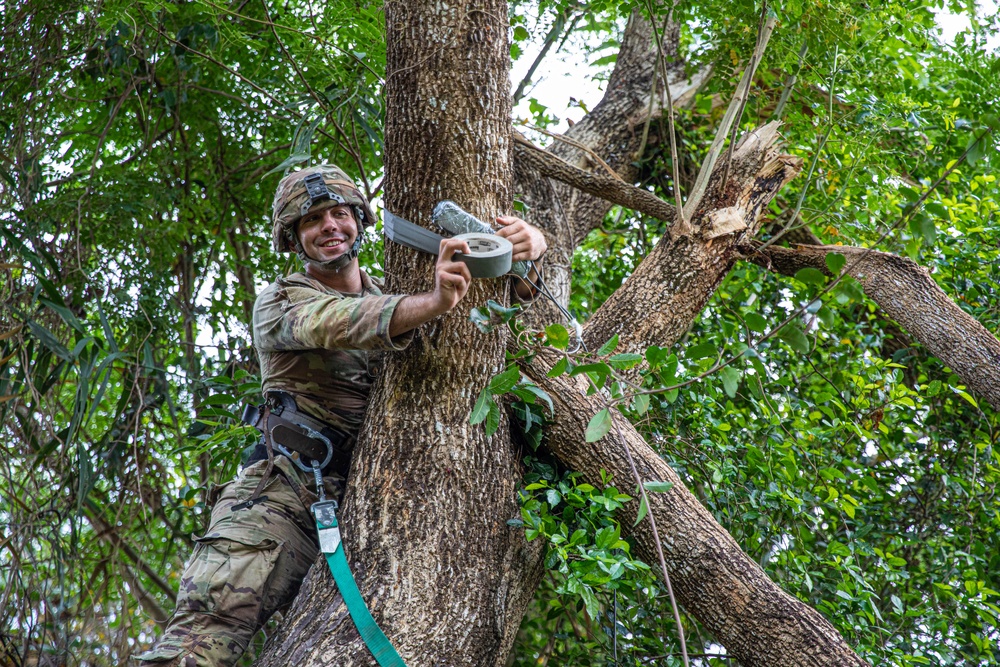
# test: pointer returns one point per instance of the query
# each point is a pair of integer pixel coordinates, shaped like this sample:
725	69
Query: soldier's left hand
528	241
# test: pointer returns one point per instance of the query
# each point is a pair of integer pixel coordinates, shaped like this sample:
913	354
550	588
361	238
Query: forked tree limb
715	581
609	188
671	286
730	118
907	293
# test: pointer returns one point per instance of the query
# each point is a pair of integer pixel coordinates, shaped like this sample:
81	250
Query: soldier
318	334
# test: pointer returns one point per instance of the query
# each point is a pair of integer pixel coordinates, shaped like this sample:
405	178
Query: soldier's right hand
451	277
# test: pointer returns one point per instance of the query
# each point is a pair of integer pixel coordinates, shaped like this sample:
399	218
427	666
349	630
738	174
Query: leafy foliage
140	144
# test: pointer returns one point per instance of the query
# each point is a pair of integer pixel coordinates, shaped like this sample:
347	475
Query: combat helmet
316	188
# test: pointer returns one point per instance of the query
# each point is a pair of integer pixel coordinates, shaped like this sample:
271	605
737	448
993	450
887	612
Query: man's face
328	233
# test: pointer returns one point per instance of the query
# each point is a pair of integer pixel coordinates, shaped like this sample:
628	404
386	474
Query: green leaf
827	316
557	336
482	407
640	403
702	351
977	148
967	397
796	340
641	514
810	276
481	320
625	360
730	380
50	341
924	226
598	371
599	426
504	312
658	487
559	368
529	393
609	346
521	33
937	209
289	162
656	355
835	262
755	322
492	418
504	382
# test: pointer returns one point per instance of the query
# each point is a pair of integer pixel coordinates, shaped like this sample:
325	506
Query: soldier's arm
295	317
451	283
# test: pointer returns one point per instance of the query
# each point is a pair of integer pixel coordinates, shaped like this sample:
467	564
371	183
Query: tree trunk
449	581
425	513
907	294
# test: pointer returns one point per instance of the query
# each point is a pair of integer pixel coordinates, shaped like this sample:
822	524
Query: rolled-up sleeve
291	317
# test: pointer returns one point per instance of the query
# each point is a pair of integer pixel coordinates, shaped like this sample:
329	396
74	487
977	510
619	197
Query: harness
312	446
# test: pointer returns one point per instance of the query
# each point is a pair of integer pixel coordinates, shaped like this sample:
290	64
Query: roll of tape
489	254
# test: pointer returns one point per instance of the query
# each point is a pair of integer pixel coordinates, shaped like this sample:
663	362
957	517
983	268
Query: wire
543	289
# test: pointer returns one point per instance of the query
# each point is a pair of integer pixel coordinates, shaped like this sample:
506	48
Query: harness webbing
330	544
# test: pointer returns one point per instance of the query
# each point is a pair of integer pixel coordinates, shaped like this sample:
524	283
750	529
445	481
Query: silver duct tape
451	217
489	257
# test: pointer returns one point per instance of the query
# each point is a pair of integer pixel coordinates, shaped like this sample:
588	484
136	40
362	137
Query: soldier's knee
167	659
196	641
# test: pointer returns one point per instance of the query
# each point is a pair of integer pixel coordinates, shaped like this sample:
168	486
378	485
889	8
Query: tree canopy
141	145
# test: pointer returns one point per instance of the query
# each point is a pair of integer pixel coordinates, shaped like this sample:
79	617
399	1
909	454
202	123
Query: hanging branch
681	223
735	109
613	190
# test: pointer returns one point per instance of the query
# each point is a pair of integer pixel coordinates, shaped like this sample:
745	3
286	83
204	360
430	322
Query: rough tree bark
429	496
425	513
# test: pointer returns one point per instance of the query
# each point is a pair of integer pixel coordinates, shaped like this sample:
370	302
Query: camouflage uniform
318	345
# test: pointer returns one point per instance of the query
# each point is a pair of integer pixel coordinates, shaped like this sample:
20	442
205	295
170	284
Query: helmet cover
302	191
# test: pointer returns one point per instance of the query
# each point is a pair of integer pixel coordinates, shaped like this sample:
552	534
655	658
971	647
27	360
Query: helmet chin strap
333	264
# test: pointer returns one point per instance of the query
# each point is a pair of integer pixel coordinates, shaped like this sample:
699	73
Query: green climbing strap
330	544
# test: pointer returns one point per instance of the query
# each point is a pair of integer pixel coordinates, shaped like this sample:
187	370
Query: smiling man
319	335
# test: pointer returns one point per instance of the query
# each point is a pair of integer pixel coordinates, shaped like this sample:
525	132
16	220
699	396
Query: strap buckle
325	512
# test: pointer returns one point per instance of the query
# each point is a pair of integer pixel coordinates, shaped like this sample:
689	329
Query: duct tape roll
490	255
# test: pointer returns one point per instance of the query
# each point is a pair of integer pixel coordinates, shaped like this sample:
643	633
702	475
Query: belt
308	442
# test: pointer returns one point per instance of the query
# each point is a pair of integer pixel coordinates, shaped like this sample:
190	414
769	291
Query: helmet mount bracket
318	191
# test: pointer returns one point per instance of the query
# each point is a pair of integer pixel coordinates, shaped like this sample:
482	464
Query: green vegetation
141	142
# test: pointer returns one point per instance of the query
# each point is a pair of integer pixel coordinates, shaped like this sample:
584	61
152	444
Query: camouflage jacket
323	346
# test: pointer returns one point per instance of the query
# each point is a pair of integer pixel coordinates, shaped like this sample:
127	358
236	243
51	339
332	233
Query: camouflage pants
248	565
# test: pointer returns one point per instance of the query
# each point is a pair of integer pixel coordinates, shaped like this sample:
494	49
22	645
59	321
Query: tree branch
908	294
608	188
